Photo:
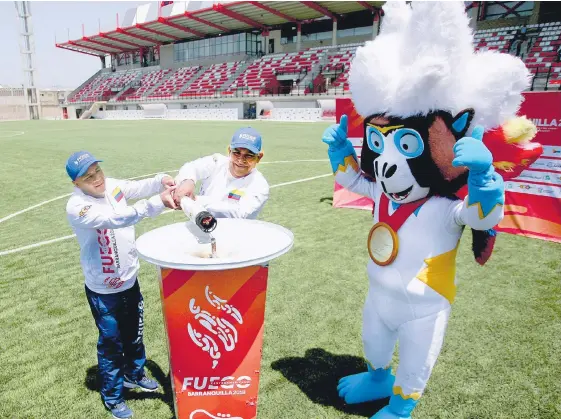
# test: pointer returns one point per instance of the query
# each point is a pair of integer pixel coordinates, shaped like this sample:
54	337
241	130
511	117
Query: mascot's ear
461	123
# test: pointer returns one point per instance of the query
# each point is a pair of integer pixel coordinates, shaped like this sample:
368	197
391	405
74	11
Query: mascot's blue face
411	158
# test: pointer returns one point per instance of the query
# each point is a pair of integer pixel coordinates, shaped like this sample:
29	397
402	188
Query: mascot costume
435	114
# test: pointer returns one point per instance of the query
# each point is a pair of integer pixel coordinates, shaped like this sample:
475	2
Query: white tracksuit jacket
223	195
105	230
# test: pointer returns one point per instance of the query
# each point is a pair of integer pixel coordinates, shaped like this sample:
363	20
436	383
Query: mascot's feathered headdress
415	66
418	68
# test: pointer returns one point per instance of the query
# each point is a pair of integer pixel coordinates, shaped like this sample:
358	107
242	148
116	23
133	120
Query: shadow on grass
317	375
164	393
329	200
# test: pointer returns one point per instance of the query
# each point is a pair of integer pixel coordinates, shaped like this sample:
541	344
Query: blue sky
56	67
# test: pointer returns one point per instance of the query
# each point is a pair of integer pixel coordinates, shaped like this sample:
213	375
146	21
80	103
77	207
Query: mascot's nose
390	172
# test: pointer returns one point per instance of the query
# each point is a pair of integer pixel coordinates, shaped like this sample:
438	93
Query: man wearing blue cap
231	186
104	226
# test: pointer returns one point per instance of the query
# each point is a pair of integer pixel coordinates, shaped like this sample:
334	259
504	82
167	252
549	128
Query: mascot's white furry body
426	99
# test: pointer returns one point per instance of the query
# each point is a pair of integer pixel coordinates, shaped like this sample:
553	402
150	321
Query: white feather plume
423	60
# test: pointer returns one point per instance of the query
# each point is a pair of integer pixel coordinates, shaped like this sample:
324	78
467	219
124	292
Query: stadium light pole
27	52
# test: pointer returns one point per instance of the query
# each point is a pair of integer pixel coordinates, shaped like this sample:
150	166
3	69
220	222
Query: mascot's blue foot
397	409
366	386
387	413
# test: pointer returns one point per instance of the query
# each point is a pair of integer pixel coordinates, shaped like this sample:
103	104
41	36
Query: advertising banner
214	322
533	199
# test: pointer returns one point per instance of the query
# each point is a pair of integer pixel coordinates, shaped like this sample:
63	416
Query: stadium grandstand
269	60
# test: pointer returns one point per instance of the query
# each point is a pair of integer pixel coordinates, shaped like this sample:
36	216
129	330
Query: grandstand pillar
265	46
298	36
27	52
334	38
376	25
472	12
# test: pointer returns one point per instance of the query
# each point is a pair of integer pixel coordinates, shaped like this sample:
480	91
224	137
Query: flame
355	119
504	165
512	147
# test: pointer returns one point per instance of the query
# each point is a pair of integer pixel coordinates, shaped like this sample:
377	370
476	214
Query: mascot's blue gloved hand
472	153
340	148
336	135
485	186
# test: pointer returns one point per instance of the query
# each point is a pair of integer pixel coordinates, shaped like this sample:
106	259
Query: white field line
73	128
7	217
12	135
300	180
31	246
47	242
40	204
273	186
292	161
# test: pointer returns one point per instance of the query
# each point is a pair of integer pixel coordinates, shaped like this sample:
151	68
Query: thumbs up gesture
472	153
336	135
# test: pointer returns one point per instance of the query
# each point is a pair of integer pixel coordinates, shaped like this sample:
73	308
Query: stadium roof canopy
153	24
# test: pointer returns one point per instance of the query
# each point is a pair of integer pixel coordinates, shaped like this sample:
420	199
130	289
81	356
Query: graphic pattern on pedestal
214	322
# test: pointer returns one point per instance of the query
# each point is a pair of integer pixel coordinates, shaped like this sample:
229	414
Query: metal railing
545	80
542	80
299	71
242	93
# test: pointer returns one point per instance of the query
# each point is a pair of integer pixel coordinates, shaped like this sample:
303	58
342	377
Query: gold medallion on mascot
383	244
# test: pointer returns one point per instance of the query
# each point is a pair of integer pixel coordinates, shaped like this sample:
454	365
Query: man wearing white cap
231	186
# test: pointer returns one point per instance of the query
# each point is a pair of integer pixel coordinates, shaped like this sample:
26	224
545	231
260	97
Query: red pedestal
214	322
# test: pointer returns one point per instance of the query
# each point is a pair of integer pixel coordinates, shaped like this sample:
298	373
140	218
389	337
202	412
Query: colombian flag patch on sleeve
236	194
117	194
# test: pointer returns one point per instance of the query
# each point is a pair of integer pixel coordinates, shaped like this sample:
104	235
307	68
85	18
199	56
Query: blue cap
78	163
247	138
